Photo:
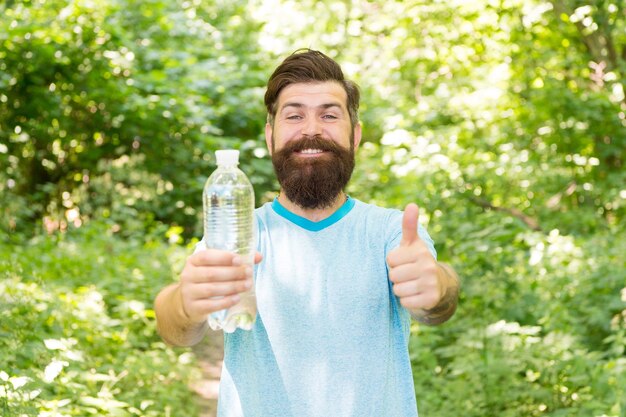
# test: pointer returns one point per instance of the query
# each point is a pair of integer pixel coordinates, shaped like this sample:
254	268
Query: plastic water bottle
228	200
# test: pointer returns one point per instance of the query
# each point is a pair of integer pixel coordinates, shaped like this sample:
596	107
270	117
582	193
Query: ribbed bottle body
228	202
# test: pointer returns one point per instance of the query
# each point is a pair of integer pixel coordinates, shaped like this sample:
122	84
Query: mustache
312	142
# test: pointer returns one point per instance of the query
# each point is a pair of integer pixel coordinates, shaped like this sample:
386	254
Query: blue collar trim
308	224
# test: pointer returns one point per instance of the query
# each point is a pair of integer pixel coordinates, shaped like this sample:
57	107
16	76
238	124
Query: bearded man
337	280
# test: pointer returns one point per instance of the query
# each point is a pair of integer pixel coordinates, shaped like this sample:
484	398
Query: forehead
313	94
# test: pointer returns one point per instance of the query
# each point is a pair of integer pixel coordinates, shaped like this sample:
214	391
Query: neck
314	215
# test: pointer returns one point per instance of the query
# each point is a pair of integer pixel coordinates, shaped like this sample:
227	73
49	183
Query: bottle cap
227	157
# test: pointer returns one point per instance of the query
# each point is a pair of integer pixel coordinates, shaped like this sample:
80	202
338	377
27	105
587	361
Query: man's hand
429	290
211	281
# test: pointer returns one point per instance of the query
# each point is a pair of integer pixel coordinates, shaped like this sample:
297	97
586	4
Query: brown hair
306	66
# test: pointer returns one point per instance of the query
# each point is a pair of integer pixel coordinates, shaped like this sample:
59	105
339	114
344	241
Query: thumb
409	224
257	257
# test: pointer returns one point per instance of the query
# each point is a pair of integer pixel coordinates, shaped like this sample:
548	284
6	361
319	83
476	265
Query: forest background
503	119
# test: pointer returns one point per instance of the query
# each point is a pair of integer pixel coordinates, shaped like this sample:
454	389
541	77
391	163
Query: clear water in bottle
228	201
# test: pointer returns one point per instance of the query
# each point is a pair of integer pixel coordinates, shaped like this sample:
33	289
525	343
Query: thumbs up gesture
413	270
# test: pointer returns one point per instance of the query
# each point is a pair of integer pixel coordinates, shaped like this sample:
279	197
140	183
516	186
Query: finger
422	301
407	288
218	304
247	259
410	220
209	257
417	286
403	254
404	272
219	289
206	274
412	302
208	306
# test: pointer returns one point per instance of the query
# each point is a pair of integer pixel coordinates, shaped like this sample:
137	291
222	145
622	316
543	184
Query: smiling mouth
310	151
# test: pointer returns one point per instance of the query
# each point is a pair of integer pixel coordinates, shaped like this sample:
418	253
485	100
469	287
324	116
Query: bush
77	329
540	330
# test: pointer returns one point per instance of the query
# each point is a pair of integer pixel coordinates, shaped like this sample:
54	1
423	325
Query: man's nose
311	127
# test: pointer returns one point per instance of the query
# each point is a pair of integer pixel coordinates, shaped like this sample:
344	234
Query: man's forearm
173	324
447	305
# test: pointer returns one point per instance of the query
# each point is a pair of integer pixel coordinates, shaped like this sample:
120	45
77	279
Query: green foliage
85	85
539	331
77	330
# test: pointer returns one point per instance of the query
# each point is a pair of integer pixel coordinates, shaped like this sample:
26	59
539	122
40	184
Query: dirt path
210	354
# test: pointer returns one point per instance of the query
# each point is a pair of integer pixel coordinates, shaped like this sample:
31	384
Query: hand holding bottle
212	281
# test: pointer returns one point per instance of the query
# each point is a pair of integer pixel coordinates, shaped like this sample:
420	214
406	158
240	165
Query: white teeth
311	151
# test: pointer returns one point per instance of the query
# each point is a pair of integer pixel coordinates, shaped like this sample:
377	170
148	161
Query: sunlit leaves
88	84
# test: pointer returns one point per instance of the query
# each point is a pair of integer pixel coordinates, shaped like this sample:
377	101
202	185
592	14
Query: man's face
312	143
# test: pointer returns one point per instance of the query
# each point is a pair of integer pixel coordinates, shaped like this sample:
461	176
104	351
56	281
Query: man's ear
268	137
357	135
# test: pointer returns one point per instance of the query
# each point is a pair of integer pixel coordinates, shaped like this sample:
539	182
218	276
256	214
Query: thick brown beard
313	183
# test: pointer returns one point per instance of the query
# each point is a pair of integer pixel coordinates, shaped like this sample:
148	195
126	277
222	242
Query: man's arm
449	288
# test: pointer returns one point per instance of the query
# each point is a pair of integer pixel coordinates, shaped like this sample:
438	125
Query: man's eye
329	116
294	117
